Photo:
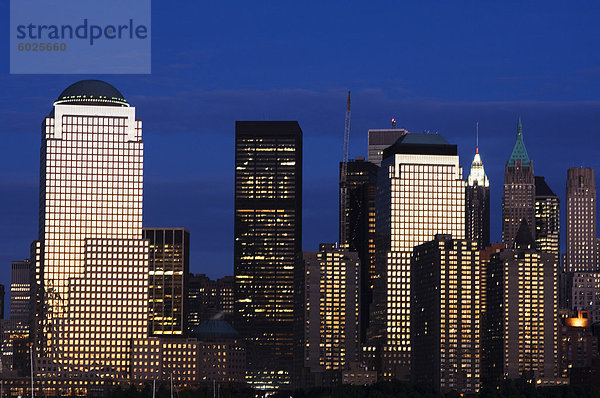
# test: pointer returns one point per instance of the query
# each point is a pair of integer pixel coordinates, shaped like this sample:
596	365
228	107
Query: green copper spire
519	151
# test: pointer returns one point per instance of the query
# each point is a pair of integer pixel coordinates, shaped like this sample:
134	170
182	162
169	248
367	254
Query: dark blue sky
440	66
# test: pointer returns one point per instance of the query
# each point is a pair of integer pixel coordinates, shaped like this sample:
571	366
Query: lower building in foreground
326	315
578	347
214	352
522	308
585	293
445	315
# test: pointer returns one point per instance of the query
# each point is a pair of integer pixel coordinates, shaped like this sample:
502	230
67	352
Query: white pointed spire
477	175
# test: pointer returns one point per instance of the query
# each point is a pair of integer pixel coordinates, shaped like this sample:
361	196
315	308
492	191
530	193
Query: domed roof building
91	92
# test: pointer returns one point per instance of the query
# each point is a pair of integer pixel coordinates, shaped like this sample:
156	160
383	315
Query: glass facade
93	273
420	193
268	235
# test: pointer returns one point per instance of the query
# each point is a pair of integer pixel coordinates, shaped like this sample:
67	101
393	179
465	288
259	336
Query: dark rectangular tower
358	220
169	267
547	218
268	235
477	204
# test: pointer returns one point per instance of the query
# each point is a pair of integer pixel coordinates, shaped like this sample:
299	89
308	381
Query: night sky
437	67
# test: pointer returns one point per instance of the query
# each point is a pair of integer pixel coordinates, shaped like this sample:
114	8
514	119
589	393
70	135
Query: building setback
358	220
169	265
522	308
267	237
445	315
581	251
547	218
327	315
477	205
518	200
420	193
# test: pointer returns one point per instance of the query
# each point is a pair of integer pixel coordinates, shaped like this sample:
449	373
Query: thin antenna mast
477	140
343	180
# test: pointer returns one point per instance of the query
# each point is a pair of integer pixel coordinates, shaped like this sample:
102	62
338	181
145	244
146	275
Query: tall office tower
20	291
581	255
518	201
420	193
94	260
547	219
268	235
169	266
522	305
445	315
327	315
477	206
359	223
378	140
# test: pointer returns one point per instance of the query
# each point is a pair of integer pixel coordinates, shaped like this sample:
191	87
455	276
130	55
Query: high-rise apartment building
378	140
20	291
518	200
327	315
420	193
477	205
358	220
581	251
268	235
169	266
547	218
93	278
522	312
445	315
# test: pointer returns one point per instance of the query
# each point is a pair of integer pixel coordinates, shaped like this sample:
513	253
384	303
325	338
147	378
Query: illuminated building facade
522	306
420	193
169	265
267	237
578	347
518	200
14	348
477	205
359	222
327	314
378	140
547	218
445	315
20	291
93	278
585	294
581	252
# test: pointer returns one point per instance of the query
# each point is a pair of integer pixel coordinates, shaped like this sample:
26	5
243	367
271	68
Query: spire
519	151
477	175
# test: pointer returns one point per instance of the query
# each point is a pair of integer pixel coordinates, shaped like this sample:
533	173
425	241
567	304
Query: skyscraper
581	252
477	207
94	260
420	193
20	291
327	314
378	140
518	201
268	235
169	266
547	218
522	311
446	315
360	227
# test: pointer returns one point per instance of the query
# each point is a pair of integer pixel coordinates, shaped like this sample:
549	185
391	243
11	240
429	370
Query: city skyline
492	77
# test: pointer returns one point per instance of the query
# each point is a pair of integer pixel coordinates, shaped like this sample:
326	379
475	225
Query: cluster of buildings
414	290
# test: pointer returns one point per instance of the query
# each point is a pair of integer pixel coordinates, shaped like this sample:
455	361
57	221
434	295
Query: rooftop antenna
477	140
393	123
